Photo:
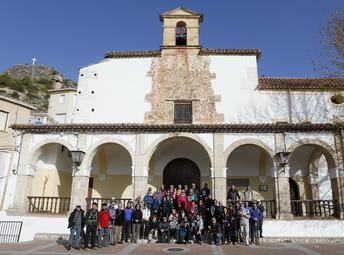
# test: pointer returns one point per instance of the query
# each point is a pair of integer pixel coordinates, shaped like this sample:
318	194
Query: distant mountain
32	84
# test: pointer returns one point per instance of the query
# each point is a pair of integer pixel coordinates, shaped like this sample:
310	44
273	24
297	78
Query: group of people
177	214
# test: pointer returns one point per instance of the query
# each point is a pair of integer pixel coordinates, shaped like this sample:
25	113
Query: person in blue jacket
128	216
255	216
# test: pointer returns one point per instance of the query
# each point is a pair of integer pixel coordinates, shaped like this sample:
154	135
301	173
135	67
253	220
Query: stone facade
182	75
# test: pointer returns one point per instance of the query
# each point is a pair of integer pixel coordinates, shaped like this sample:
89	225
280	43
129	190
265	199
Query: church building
186	114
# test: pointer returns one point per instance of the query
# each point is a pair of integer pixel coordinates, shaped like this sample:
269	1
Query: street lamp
283	158
77	157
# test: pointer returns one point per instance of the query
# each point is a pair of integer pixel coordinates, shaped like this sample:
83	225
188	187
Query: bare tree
331	61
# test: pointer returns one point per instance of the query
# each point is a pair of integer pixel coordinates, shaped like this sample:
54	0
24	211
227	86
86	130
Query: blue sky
68	34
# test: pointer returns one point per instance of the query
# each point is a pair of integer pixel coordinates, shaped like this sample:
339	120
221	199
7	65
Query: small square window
183	112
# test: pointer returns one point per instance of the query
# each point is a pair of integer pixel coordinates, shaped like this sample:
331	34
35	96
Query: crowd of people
177	214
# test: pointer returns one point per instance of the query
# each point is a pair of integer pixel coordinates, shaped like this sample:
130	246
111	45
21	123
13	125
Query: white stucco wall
116	88
119	86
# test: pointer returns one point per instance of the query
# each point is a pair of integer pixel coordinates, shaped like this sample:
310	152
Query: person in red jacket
104	230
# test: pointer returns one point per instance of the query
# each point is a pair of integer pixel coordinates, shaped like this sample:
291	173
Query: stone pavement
52	247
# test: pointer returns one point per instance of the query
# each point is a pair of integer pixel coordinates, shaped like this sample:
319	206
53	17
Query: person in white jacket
244	222
146	214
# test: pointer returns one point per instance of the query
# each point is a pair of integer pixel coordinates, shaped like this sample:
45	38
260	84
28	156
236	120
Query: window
3	120
183	112
62	99
181	33
337	99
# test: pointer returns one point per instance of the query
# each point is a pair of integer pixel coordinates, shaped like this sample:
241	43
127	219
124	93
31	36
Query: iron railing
99	201
10	231
269	207
49	205
313	208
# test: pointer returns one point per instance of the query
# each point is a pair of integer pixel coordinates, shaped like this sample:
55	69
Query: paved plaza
52	247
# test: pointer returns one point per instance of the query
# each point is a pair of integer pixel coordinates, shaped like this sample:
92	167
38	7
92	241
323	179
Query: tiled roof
133	54
202	52
179	128
297	84
228	51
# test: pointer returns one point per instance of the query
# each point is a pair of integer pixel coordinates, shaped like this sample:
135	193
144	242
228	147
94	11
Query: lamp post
283	159
77	157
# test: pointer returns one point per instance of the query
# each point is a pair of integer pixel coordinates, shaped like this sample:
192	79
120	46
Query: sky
69	34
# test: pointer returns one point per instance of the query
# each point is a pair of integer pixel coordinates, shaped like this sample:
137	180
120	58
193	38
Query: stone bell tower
181	28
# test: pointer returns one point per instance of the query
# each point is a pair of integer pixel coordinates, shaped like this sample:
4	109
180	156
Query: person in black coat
233	194
92	221
137	220
119	221
164	231
76	223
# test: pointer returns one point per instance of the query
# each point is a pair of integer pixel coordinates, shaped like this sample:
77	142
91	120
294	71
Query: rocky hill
32	85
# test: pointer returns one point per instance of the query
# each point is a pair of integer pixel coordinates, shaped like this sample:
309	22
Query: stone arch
91	151
36	151
153	147
245	141
329	152
50	165
305	169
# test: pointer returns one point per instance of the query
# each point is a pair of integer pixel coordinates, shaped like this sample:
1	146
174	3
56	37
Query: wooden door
181	171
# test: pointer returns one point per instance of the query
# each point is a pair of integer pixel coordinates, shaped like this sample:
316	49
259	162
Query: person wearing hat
76	223
91	220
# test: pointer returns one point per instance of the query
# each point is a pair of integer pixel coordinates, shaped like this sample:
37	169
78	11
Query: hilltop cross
34	60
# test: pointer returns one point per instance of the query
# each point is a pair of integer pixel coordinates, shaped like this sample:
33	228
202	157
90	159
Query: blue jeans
74	237
103	236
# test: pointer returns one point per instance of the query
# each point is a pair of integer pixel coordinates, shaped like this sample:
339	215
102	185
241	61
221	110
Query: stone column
79	191
282	194
219	171
23	190
140	170
313	181
281	182
24	177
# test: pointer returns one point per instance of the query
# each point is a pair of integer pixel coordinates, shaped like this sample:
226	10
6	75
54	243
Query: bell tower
181	28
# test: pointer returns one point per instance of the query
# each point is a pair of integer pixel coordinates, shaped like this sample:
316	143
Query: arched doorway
193	153
181	171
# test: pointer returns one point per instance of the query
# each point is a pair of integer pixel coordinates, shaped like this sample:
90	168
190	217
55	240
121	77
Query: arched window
181	34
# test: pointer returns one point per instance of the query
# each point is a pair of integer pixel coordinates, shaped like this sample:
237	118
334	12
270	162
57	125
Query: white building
186	113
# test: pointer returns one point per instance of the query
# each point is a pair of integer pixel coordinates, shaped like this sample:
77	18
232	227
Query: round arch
91	151
243	142
329	153
154	146
36	151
